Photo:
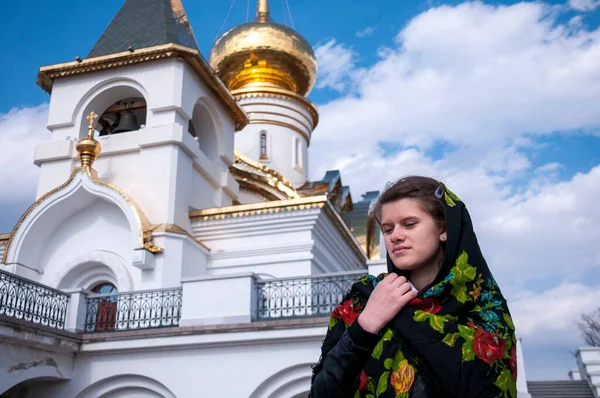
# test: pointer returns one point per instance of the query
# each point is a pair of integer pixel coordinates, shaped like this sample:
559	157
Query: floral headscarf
457	335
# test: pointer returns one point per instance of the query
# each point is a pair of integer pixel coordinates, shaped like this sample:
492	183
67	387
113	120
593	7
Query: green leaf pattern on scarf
450	198
486	335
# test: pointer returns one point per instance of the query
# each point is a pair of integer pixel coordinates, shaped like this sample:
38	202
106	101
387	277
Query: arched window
106	316
203	127
104	288
263	145
125	115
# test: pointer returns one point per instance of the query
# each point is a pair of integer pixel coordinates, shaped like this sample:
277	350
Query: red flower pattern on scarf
487	346
364	380
346	312
513	361
430	305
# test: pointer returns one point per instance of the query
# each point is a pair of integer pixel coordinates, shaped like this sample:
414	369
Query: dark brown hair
416	187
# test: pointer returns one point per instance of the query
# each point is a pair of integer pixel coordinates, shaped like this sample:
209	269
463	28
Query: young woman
436	326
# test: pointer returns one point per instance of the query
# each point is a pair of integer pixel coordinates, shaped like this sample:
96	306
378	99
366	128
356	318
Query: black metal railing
133	310
25	299
302	297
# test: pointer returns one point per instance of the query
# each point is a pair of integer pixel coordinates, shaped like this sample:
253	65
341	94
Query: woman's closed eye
387	229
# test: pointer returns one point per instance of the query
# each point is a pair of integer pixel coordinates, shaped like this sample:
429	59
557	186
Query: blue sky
501	99
57	34
42	33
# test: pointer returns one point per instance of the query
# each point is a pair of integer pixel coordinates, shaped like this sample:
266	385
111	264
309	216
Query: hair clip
439	192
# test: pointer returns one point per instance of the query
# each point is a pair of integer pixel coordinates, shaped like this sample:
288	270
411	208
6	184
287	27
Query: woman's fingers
404	288
390	278
399	281
408	297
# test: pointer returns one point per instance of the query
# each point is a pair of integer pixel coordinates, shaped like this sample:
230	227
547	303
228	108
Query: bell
127	122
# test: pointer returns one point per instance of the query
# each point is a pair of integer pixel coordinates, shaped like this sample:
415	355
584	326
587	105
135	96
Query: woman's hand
388	298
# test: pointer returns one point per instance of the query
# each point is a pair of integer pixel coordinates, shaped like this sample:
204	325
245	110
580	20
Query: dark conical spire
146	23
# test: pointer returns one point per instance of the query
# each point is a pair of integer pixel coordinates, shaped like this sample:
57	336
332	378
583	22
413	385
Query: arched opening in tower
128	114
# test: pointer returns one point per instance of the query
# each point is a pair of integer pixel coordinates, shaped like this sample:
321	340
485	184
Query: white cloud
475	75
584	5
336	65
553	313
20	131
366	32
546	323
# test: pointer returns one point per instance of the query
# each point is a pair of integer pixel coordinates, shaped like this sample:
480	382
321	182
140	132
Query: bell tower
166	122
166	127
270	69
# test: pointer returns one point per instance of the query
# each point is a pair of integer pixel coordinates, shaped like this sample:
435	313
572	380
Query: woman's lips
400	249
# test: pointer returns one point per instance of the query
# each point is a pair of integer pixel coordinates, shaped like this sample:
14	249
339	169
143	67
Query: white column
377	267
522	391
76	310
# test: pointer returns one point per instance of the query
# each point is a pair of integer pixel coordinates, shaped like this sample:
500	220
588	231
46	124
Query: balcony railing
25	299
302	297
133	311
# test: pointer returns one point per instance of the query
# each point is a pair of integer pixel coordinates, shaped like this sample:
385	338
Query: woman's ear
443	234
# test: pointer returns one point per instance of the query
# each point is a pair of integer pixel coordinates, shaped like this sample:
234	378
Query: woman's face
412	237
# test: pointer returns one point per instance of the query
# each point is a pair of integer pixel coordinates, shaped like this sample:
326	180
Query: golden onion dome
263	54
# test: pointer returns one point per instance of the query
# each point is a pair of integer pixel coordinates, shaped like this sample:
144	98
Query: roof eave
48	74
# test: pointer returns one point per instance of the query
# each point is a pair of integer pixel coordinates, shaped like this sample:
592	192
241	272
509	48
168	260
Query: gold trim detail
275	206
176	229
144	240
262	178
262	194
221	213
272	92
88	148
247	182
47	74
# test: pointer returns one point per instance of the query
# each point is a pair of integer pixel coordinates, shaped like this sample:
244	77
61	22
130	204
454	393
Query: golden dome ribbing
263	54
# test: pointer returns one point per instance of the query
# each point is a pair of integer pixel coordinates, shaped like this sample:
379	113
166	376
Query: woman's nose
397	235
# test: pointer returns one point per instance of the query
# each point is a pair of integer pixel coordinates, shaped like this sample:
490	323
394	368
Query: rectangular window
298	153
263	145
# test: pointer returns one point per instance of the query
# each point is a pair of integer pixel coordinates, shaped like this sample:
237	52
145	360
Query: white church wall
55	172
255	364
588	364
378	266
194	91
100	226
160	166
22	363
234	293
74	97
182	256
287	124
334	251
277	244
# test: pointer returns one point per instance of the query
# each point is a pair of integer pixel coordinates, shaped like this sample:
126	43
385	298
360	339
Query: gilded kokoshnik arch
80	190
